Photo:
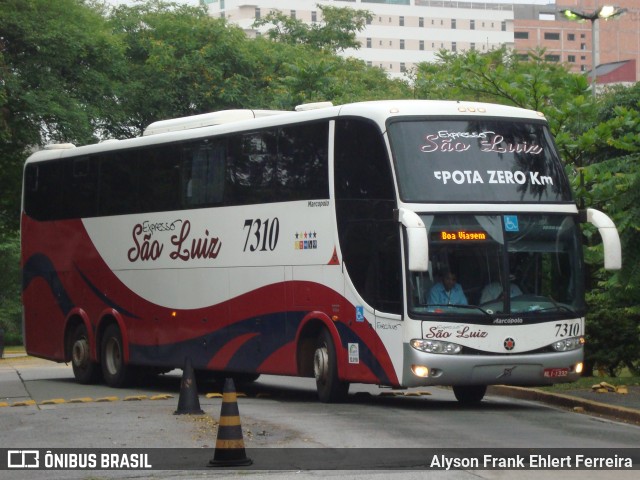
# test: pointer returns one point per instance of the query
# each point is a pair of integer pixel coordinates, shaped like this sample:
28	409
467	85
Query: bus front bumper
517	369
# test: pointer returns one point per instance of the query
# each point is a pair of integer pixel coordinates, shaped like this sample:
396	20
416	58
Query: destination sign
461	235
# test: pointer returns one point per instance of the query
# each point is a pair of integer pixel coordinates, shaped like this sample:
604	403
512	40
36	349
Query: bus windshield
475	259
477	161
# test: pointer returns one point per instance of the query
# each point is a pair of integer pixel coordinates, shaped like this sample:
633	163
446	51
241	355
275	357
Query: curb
629	415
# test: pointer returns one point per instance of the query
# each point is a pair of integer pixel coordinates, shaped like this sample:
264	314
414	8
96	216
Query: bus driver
447	292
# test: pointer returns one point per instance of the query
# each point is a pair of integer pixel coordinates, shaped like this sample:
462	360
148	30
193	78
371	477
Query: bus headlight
436	346
567	344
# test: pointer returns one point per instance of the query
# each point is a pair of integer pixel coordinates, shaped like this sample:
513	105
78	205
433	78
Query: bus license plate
556	372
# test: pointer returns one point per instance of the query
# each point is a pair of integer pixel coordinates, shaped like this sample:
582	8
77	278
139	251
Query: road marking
53	401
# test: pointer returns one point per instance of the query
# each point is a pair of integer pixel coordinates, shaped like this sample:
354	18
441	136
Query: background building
570	42
402	32
405	32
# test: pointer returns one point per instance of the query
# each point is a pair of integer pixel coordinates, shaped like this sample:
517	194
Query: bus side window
159	180
203	175
302	167
82	198
118	190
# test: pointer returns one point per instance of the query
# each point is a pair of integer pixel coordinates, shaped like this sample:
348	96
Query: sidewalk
616	406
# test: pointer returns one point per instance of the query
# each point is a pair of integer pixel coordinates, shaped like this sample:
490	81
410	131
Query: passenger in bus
493	291
447	291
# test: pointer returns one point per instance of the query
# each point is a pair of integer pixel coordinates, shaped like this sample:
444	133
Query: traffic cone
188	403
229	444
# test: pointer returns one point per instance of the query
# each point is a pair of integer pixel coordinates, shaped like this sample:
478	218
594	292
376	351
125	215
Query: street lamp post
606	12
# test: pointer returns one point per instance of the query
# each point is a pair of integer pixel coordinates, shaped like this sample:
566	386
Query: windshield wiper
556	306
467	307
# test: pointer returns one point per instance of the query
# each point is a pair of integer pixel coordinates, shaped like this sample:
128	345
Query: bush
10	288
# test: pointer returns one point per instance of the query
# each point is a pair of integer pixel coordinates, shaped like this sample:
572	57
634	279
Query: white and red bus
313	243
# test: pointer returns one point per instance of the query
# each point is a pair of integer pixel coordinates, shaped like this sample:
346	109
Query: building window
401	44
401	21
571	37
503	26
421	22
551	36
472	25
421	44
257	13
571	59
473	46
368	43
552	58
453	24
293	14
583	46
403	67
454	47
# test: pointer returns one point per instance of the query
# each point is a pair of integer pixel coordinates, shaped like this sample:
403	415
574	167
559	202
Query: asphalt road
44	408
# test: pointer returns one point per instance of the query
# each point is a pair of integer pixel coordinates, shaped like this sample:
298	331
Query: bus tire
469	394
85	370
114	370
325	370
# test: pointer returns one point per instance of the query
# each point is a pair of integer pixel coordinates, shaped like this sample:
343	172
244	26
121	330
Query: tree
296	74
613	185
180	62
335	33
504	76
10	306
58	62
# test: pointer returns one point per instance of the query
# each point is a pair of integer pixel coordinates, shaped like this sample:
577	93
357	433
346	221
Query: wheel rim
80	353
321	364
113	356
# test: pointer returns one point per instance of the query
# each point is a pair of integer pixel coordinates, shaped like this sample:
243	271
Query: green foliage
335	33
59	64
10	307
180	61
613	185
302	74
504	76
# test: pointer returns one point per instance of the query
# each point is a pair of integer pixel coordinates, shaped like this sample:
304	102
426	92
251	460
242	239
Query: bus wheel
469	394
84	369
325	370
115	372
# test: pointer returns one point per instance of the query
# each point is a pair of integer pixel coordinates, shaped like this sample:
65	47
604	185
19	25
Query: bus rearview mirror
417	241
610	238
